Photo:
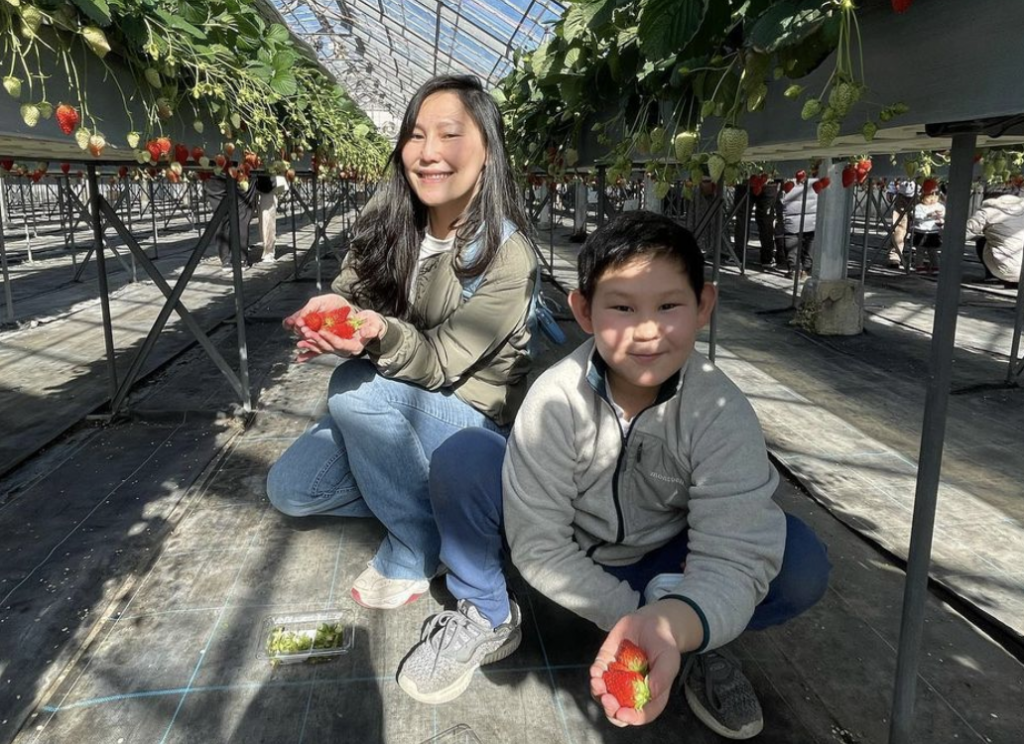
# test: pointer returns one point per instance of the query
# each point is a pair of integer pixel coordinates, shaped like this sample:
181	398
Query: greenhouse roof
382	50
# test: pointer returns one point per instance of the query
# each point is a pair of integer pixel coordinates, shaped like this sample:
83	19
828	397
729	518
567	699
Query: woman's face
443	159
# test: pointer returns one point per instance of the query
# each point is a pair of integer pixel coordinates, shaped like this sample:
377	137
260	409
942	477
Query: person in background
793	245
216	188
764	217
929	216
904	194
269	189
999	228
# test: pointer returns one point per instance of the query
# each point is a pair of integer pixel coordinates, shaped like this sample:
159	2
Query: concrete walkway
139	557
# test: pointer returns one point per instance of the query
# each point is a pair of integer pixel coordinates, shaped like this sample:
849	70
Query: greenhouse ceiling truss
381	51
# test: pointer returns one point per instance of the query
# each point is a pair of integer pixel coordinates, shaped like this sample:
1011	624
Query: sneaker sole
388	603
459	686
747	732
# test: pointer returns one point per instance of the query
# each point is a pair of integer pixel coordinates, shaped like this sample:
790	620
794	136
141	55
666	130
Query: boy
637	489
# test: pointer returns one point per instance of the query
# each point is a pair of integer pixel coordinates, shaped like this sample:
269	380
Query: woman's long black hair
386	237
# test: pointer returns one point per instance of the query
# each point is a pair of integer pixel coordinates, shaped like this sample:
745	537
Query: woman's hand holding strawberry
324	326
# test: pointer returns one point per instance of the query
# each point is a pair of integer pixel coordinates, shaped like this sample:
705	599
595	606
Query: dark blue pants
465	491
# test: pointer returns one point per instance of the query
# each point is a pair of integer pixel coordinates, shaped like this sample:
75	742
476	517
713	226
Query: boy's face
644	317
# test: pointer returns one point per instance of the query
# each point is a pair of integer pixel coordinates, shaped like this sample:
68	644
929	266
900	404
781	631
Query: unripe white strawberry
45	109
732	143
30	114
198	126
13	86
716	166
684	144
152	77
812	107
97	40
827	132
868	130
133	139
236	120
657	139
31	20
82	137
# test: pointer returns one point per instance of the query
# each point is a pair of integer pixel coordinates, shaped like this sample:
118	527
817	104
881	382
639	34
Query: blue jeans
466	488
370	457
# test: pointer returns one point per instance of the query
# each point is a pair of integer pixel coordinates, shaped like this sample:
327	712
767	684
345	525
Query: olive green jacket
475	347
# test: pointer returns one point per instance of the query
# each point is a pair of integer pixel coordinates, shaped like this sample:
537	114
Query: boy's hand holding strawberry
660	631
326	325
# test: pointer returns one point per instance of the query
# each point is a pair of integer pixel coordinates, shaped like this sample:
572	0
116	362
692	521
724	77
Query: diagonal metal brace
173	302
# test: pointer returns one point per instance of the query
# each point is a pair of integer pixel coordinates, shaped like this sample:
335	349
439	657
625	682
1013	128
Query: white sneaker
378	592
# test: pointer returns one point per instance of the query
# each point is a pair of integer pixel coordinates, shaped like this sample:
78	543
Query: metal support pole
316	235
101	268
716	264
602	198
933	432
8	297
868	191
152	216
236	265
1012	370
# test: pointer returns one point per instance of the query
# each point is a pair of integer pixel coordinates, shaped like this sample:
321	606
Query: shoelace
443	631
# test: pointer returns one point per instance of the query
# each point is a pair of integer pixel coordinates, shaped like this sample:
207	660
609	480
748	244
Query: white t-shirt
430	246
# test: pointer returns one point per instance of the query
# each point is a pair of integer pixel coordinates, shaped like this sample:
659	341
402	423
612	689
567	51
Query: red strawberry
849	176
629	688
864	165
123	171
821	183
801	176
153	148
65	167
67	118
788	186
197	152
229	149
632	656
6	164
313	320
900	6
165	144
755	185
181	153
220	160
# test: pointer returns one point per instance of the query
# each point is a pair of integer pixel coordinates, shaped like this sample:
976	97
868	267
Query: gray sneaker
453	646
721	696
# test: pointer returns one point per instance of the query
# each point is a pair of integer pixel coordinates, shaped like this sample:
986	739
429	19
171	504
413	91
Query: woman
426	360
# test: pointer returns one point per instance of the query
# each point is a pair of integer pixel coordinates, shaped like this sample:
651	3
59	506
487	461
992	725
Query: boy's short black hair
633	234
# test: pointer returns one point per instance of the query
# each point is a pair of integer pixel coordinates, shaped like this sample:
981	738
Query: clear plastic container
292	638
461	734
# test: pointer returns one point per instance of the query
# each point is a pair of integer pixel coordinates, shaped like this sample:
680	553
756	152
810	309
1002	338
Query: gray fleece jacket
578	494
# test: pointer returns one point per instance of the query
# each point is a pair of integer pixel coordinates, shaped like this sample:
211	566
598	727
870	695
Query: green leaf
284	83
179	24
584	15
278	34
285	59
96	10
542	60
260	70
786	24
666	26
